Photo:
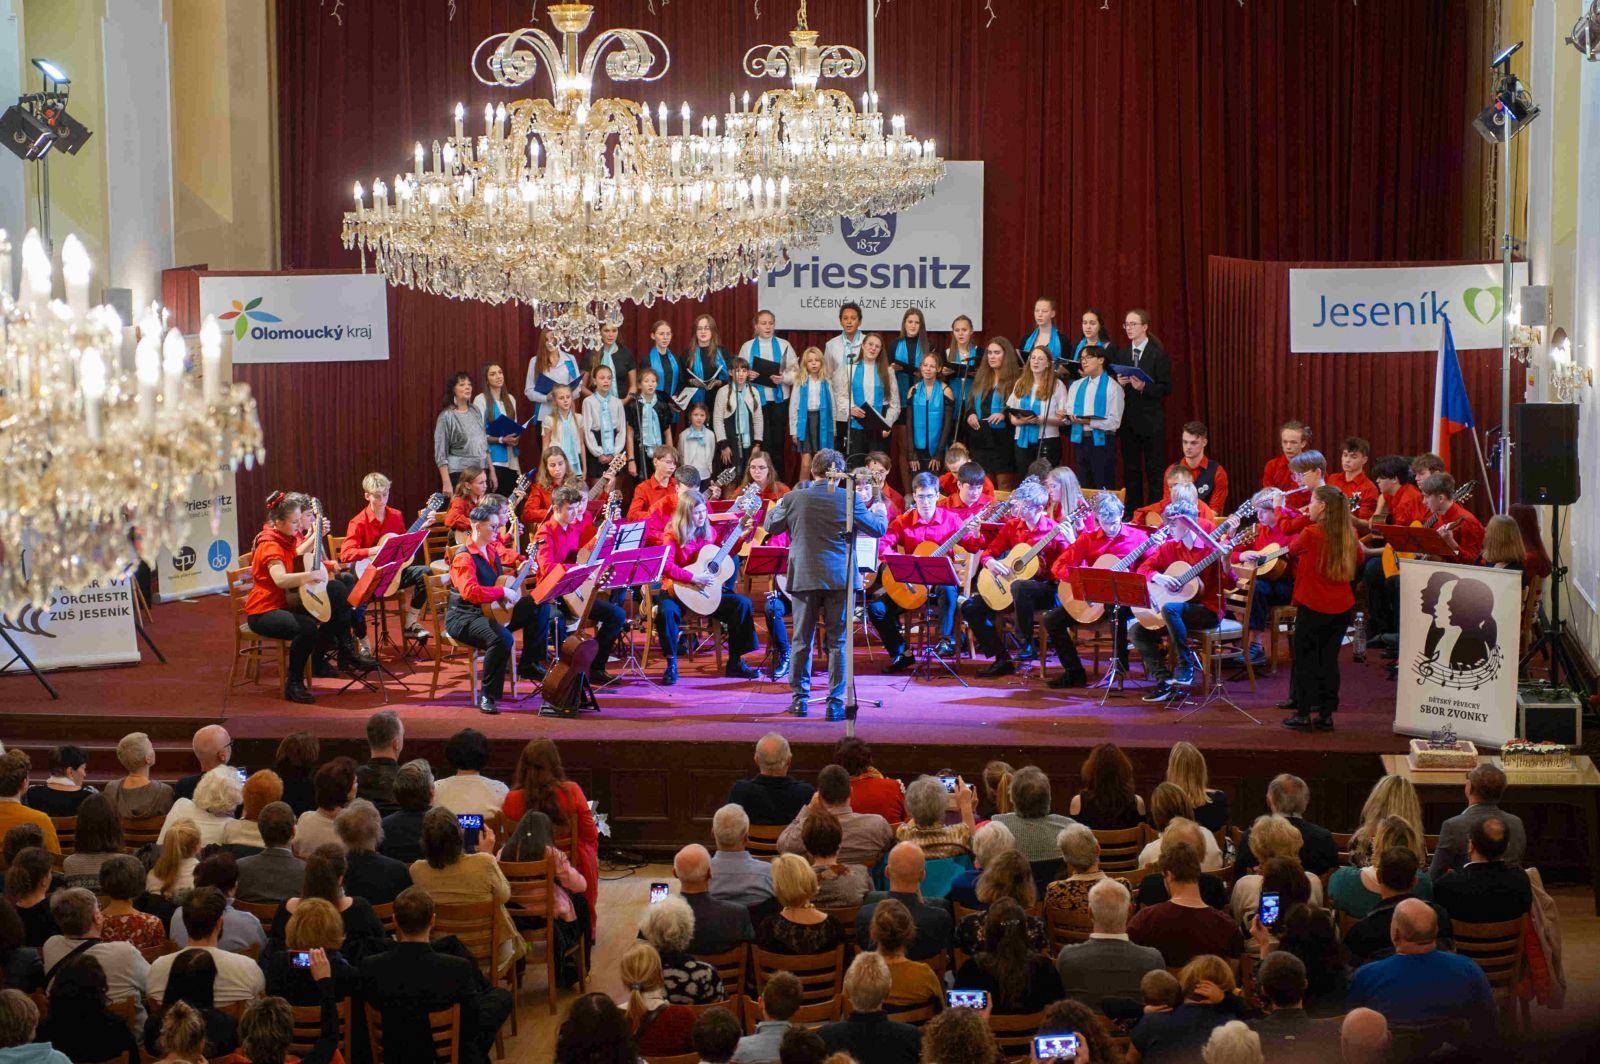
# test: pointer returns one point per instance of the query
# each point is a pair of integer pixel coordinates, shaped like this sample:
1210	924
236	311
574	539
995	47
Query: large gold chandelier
103	431
573	205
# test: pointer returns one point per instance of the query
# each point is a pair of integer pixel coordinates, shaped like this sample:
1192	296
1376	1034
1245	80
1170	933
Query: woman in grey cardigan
459	440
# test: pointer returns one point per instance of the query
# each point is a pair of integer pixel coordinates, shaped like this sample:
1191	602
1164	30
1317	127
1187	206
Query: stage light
1513	107
71	134
52	72
1585	35
27	136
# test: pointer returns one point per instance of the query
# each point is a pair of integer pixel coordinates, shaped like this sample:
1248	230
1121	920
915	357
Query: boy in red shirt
1028	525
1210	479
1187	546
1455	525
957	458
556	543
925	522
474	573
1293	437
1352	477
1110	536
972	491
376	520
1399	503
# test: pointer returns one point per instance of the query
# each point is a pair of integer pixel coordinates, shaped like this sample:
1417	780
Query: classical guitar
1390	558
913	596
366	584
1023	561
499	611
1269	564
565	683
713	563
1090	612
1187	574
313	597
579	599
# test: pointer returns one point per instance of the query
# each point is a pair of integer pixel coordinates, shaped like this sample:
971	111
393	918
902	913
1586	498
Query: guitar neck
1200	566
945	547
1131	559
1038	548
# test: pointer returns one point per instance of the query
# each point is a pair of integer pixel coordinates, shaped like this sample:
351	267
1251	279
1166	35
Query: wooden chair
308	1028
733	968
446	648
444	1026
1015	1034
1341	840
845	917
475	924
385	913
253	951
813	1015
821	975
1119	850
166	946
763	840
676	1058
1498	949
249	648
733	1003
1233	628
66	833
1280	626
915	1015
127	1008
533	901
1066	928
1530	607
140	831
439	538
265	911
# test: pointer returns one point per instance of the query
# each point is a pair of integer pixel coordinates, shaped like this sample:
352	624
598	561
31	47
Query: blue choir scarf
1081	389
927	416
716	371
666	367
770	393
1028	435
824	415
1054	345
858	392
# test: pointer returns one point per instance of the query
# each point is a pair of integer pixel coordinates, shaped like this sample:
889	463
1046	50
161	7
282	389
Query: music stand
393	555
766	560
634	567
1121	592
931	572
1414	539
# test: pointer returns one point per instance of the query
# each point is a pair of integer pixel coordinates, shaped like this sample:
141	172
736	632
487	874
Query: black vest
488	572
1204	479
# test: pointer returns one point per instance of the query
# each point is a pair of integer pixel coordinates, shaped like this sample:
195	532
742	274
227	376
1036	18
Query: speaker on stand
1545	468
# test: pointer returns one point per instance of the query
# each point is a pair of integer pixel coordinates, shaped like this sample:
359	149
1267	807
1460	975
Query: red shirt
1014	533
464	574
459	516
557	544
1095	544
1267	537
1312	589
1219	483
1277	475
897	502
954	504
871	792
682	555
1406	506
1363	486
536	507
362	533
1210	579
909	529
1468	534
265	595
1142	515
574	807
773	492
648	494
950	486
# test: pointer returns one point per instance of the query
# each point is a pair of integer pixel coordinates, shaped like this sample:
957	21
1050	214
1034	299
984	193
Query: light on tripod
51	72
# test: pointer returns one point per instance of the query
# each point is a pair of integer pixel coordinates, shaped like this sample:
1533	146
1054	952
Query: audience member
1008	877
912	984
534	840
98	840
771	797
80	1022
64	790
122	966
1186	767
136	796
870	790
1152	890
28	889
315	925
238	977
867	1034
1019	978
386	737
469	790
14	768
801	1045
400	831
798	927
1391	796
1109	964
715	1036
1308	932
719	925
1274	838
260	790
659	1028
926	803
1364	1038
274	874
1034	828
1080	867
780	999
419	974
216	797
122	881
212	746
1207	985
173	873
296	763
865	835
668	925
1168	806
19	1021
960	1036
191	988
1184	926
334	786
325	871
1232	1043
1285	1027
266	1030
241	931
988	843
736	875
1354	890
595	1031
20	965
839	885
1370	937
1109	800
992	798
1094	1036
368	874
935	925
541	783
20	837
1485	784
1420	984
454	877
1486	890
1289	797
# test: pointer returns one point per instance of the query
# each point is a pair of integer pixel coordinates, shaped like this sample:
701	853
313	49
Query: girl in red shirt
1324	555
469	491
276	565
555	471
540	782
759	471
687	535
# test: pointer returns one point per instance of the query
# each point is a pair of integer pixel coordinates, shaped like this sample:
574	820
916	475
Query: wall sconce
1567	377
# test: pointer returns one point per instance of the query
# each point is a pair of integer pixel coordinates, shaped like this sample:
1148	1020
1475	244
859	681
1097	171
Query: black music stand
931	572
774	562
1414	539
633	568
18	654
1120	592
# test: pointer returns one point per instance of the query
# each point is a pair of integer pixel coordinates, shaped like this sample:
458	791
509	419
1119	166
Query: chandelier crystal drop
104	431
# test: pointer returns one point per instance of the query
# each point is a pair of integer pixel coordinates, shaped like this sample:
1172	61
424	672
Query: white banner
1397	308
929	257
1460	640
93	627
322	317
198	563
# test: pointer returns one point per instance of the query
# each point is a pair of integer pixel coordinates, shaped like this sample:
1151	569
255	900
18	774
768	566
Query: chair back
475	925
732	967
66	833
1119	850
1015	1033
676	1058
140	831
533	892
763	840
1341	842
1496	948
166	946
821	975
915	1015
308	1028
444	1027
1045	873
812	1015
265	911
845	917
385	914
1066	927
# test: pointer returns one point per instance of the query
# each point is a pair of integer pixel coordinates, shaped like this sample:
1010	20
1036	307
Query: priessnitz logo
871	235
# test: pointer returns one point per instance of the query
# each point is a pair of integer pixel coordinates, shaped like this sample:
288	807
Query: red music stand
767	561
1414	539
631	568
923	569
1114	589
380	571
570	579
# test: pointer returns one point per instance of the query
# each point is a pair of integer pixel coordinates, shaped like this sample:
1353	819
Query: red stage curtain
1124	147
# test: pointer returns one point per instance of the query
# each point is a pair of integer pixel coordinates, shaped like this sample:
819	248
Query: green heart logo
1469	299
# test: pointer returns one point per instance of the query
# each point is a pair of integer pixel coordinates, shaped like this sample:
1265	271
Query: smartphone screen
1056	1047
471	824
300	958
244	776
1269	909
658	892
966	999
949	784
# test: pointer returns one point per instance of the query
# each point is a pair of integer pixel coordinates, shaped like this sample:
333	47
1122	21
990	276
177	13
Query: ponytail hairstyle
183	1032
1338	561
640	971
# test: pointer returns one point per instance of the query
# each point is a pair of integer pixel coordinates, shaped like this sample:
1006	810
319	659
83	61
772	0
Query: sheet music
866	554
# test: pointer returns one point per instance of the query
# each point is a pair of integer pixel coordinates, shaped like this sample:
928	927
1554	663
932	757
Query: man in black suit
386	737
368	873
905	869
1486	890
868	1034
1144	419
1368	938
771	796
275	874
719	925
417	976
1289	797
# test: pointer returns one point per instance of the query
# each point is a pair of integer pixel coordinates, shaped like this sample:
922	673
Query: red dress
575	808
872	792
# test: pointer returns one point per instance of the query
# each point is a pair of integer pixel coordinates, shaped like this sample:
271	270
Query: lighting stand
1552	636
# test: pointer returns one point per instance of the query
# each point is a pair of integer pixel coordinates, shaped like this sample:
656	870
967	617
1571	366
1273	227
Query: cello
566	689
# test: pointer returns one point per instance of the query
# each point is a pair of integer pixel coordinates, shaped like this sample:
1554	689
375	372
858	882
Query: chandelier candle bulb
461	114
75	273
361	205
173	355
147	366
5	264
211	359
35	273
92	382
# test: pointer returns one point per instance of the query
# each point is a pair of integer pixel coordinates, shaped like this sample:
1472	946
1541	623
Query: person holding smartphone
1019	979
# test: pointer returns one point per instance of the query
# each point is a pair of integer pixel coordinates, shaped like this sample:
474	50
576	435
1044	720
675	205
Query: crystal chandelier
103	431
573	205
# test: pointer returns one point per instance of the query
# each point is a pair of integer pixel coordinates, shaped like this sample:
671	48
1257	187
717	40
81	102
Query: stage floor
1011	712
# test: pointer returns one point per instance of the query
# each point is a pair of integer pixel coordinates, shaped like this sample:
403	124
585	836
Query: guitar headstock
1464	492
437	503
726	477
618	460
520	490
614	506
1244	538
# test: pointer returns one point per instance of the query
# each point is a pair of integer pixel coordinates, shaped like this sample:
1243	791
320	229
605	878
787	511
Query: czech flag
1452	413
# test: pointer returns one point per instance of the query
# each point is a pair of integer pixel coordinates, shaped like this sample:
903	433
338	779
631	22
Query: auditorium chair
762	842
248	646
821	975
1234	628
915	1015
446	648
733	967
1119	850
66	835
444	1025
811	1016
308	1028
1015	1034
533	909
1498	949
385	913
1066	929
265	911
845	917
141	831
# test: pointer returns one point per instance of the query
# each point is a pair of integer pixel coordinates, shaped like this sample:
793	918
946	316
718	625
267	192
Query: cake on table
1443	754
1523	753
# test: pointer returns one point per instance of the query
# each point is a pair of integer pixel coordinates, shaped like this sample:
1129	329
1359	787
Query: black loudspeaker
1546	466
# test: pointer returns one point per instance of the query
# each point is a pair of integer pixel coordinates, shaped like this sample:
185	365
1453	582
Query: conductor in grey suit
819	564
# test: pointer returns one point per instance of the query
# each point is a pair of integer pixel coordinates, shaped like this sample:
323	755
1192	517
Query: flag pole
1483	467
